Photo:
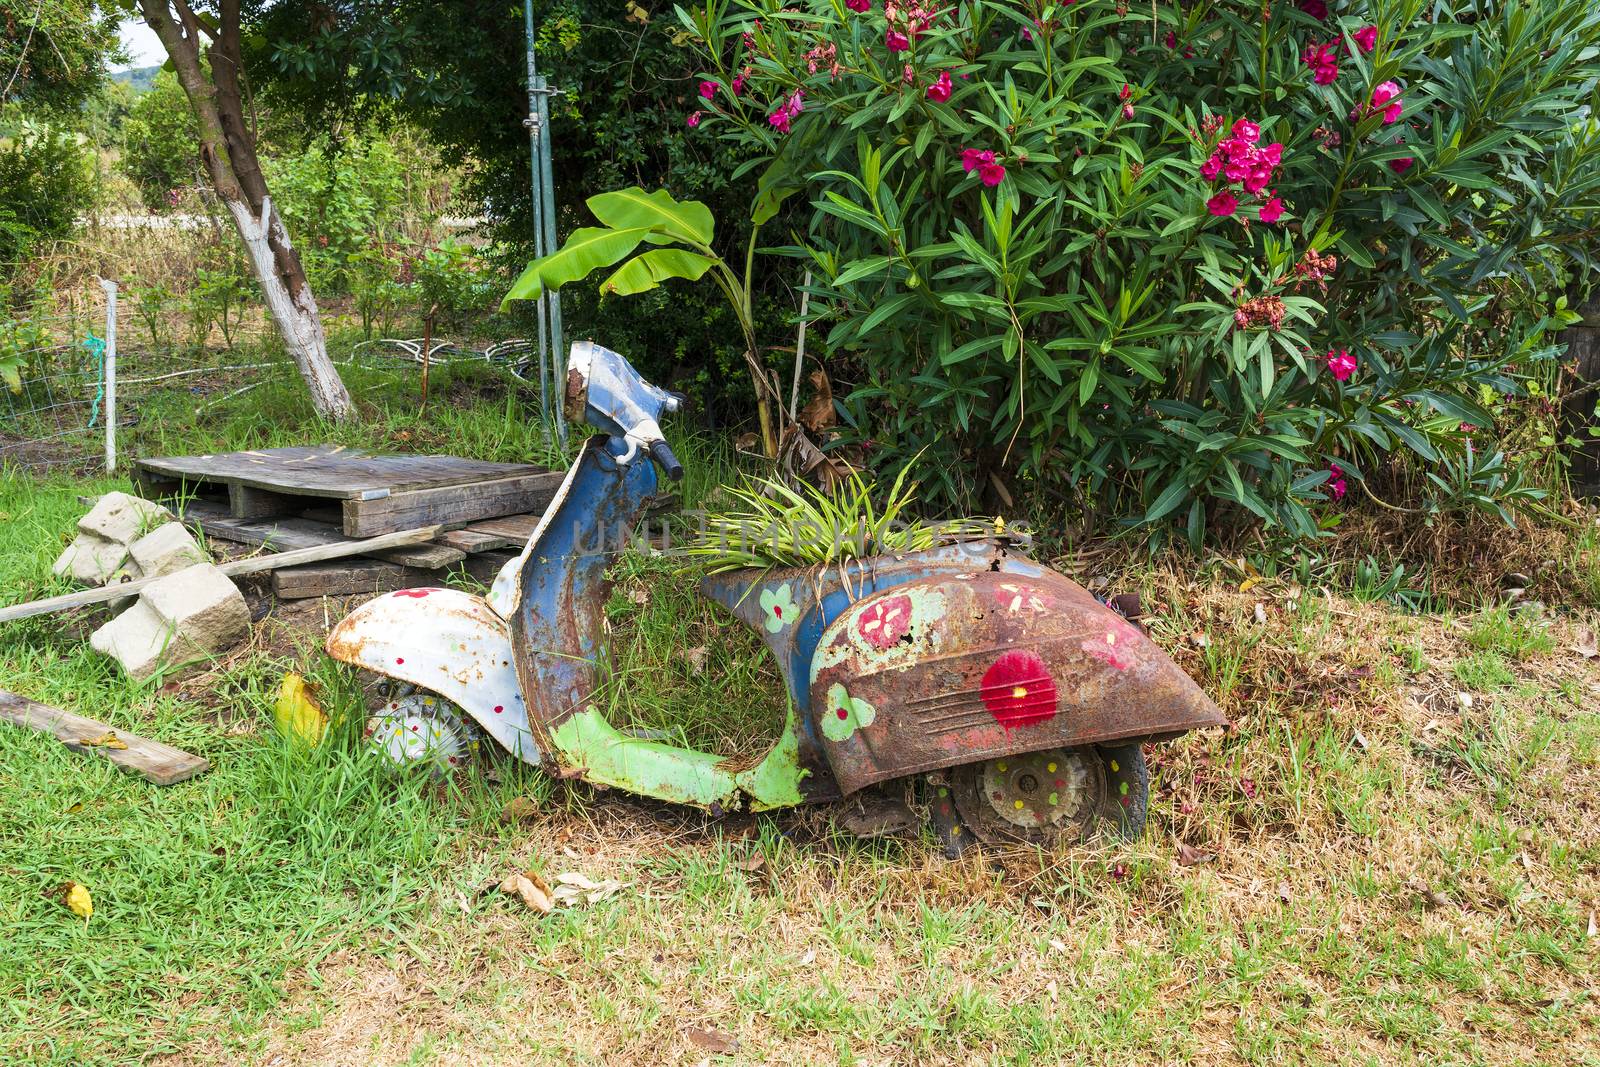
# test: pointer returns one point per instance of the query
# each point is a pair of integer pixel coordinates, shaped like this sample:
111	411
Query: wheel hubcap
1036	796
419	728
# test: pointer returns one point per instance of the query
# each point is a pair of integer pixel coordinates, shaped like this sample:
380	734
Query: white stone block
123	518
167	549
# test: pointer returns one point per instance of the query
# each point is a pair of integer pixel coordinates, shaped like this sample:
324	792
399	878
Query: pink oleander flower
1211	169
1336	483
1341	364
1223	204
779	120
1247	131
796	102
1387	96
939	92
1366	38
693	120
1315	8
1127	111
1125	93
991	174
1171	41
972	158
1272	210
897	41
1323	61
908	74
708	89
858	6
1400	166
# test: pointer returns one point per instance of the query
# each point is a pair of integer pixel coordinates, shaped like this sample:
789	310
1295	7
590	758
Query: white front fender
446	641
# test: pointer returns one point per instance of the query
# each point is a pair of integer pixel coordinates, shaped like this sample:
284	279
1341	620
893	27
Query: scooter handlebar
661	452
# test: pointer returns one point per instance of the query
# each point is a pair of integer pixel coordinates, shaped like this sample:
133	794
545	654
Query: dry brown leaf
532	889
574	888
819	415
639	595
753	862
713	1040
1188	855
1594	931
1584	644
696	657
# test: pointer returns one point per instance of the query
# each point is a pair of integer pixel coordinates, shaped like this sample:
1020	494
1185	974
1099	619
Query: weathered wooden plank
472	540
250	565
329	471
347	578
248	502
516	529
154	761
453	504
283	534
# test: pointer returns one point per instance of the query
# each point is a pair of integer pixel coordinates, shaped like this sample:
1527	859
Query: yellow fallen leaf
531	888
78	900
297	714
109	739
1249	584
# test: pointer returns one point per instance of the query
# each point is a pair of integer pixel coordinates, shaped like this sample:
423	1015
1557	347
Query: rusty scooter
1010	692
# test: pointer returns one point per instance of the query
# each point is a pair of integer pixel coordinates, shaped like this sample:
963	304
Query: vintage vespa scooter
1019	699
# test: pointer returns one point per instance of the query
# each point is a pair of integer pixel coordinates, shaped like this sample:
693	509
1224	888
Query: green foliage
631	217
1082	322
46	183
217	299
337	198
375	288
458	71
452	282
160	145
53	54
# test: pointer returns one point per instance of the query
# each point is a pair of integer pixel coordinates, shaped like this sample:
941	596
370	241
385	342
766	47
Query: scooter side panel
960	668
446	641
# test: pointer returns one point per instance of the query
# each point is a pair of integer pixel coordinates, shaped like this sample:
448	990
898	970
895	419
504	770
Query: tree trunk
1580	397
228	151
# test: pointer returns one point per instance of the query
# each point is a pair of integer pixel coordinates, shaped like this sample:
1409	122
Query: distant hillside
137	78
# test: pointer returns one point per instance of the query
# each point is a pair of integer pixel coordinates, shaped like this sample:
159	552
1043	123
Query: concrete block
142	642
167	549
203	605
91	559
123	518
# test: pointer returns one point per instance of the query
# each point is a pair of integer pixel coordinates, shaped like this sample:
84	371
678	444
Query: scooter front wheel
1059	796
420	729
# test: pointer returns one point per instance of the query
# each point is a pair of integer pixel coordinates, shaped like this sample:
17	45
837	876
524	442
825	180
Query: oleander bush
1195	266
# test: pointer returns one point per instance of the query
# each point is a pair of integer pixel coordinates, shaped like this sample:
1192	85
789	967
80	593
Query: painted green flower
779	607
845	714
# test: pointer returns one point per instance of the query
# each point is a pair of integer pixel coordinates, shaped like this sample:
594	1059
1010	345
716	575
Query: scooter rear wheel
1054	797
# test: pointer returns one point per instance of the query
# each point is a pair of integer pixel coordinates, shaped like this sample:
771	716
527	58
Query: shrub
1215	268
160	148
336	199
46	184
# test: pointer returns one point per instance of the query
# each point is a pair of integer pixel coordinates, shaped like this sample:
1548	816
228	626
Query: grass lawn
1398	848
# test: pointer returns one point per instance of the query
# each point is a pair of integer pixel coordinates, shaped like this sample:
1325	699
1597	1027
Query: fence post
111	373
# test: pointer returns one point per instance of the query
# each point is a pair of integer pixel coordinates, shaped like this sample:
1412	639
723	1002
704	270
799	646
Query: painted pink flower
1387	96
884	622
1018	690
1401	165
991	174
858	6
1366	38
693	120
1223	204
1272	210
1341	363
939	92
708	89
896	41
1315	8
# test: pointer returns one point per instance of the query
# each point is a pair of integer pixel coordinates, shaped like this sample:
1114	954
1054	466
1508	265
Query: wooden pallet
374	494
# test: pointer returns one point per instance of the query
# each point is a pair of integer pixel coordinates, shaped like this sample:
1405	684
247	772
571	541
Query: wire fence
74	377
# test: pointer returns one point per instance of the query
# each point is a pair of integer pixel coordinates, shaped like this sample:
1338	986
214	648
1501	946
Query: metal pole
111	373
532	122
547	214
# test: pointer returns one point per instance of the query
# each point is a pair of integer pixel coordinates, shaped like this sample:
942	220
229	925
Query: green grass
1396	878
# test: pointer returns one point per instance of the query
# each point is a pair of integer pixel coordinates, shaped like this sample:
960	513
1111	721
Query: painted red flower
884	622
1018	690
415	594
